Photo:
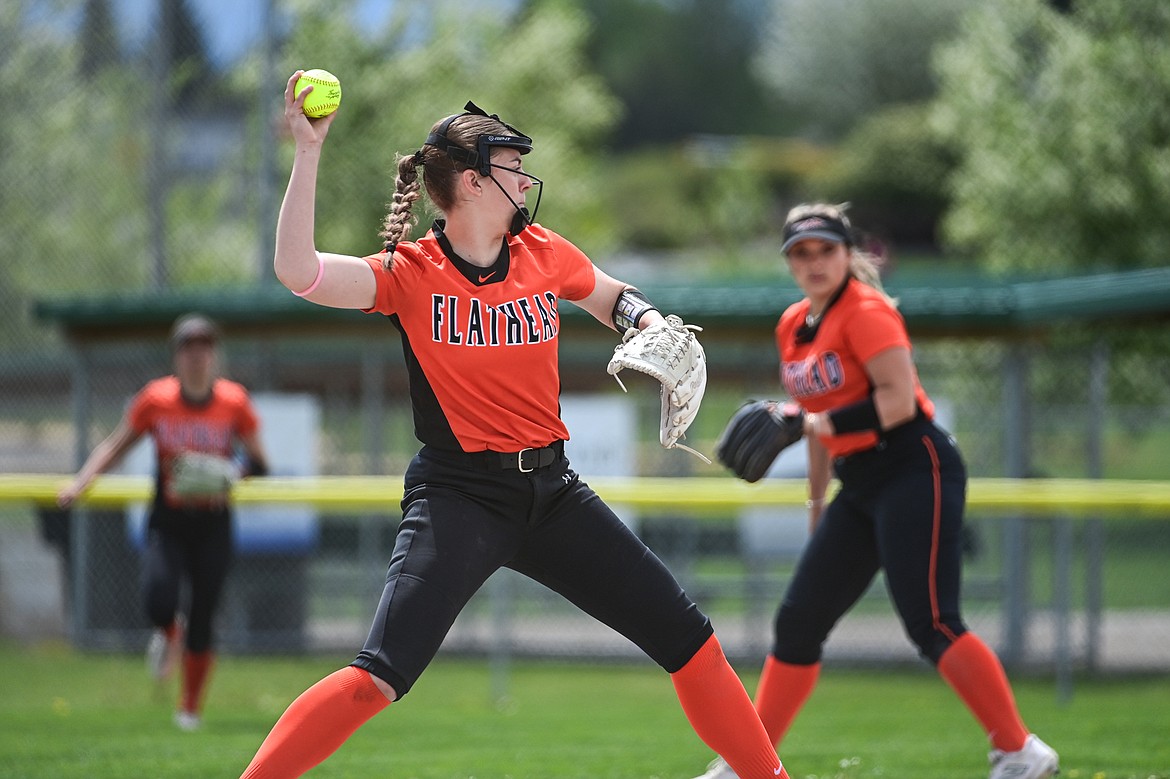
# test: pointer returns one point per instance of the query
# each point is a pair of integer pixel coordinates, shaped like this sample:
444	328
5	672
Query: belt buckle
520	460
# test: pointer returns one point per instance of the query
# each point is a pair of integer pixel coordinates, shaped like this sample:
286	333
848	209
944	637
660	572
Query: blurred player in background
196	419
845	357
475	302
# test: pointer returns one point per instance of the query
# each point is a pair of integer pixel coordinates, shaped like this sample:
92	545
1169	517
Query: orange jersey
481	343
829	371
178	426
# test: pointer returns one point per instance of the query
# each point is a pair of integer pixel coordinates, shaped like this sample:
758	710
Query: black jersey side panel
430	423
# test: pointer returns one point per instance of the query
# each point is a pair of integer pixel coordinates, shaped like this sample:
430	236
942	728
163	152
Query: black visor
819	226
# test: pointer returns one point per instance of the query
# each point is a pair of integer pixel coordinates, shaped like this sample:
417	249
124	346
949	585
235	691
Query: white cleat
162	654
718	769
1036	760
158	655
187	721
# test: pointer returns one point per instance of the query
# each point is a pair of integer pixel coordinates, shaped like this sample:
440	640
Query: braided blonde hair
400	219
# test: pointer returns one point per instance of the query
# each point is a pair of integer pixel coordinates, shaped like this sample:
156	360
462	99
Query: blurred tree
680	68
1063	130
191	75
709	191
836	61
71	212
430	59
894	169
98	38
76	212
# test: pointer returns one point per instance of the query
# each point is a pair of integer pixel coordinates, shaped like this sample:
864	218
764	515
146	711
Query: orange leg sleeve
720	711
781	694
975	673
196	671
316	724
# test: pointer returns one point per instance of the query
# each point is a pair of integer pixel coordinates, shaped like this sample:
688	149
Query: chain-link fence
1080	591
166	179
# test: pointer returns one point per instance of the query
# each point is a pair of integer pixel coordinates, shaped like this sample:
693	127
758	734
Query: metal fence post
1099	364
1062	551
78	520
373	443
268	105
79	616
1015	536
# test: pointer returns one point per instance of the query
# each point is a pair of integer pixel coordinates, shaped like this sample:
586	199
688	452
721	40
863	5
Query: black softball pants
900	510
195	546
461	523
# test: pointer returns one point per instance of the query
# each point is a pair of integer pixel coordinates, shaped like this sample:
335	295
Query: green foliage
77	214
839	60
1063	134
116	186
72	209
893	168
98	37
529	70
705	194
191	77
681	68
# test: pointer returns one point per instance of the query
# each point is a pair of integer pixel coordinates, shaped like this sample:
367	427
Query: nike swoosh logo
482	279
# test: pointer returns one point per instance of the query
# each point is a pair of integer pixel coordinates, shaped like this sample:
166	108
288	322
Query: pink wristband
317	281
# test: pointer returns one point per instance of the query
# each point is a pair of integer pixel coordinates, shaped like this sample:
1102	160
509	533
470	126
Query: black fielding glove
755	436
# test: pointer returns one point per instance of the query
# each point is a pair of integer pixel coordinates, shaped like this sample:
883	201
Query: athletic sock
196	669
720	711
781	694
316	724
975	673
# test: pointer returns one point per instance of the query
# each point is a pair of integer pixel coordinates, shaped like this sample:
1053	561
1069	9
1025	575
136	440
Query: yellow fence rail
1065	497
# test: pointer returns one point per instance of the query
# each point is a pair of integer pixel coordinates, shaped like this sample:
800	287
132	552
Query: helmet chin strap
521	218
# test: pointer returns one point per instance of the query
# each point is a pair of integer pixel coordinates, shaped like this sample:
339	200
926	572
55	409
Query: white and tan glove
203	475
670	352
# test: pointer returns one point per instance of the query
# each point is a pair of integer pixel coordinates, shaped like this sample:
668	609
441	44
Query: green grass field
72	715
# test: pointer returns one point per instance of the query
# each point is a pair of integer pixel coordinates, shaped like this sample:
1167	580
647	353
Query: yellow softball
326	94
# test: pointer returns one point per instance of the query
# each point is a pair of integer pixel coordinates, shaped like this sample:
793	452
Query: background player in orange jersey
845	358
475	301
191	414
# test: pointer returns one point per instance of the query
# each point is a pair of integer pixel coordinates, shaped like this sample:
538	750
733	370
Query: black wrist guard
629	308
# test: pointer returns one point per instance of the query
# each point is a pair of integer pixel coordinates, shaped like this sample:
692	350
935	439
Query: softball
326	94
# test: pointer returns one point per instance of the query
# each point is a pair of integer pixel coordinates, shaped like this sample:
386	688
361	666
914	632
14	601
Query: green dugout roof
939	305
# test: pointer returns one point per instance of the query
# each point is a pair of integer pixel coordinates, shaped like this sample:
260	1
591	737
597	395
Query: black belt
525	460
